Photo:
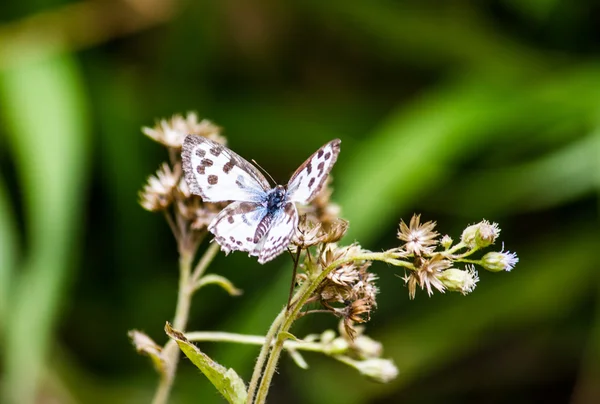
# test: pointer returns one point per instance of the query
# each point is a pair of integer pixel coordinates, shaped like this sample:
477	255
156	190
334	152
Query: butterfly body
262	219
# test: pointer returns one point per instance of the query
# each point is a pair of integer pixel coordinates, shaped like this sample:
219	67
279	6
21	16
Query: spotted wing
308	179
218	174
235	226
279	234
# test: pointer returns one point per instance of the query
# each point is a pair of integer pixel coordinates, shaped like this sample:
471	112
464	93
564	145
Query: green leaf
8	247
146	346
220	281
44	110
227	381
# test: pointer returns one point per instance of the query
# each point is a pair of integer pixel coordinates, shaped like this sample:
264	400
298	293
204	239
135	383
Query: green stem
206	259
216	336
170	352
304	293
262	356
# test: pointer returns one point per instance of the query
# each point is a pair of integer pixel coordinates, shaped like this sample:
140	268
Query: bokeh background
458	110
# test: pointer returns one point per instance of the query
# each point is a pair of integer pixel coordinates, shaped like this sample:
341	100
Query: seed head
427	275
171	132
419	238
158	192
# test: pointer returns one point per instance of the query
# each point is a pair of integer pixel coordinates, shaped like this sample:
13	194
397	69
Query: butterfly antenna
264	171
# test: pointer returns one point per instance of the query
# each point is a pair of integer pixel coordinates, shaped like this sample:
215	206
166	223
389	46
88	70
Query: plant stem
206	259
217	336
304	293
262	356
170	353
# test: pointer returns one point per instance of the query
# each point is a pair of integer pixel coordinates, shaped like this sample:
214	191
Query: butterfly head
276	199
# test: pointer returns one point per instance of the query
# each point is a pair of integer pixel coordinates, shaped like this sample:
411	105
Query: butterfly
262	219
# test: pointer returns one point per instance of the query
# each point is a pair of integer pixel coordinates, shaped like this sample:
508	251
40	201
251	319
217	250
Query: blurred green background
458	110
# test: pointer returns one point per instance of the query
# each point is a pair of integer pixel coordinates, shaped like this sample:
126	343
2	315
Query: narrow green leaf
219	281
146	346
8	248
227	381
43	107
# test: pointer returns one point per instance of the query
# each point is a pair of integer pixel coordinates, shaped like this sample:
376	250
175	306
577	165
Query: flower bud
499	261
381	370
446	241
457	280
367	347
480	235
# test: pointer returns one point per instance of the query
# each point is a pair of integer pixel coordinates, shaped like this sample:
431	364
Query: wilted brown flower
158	192
350	284
171	132
419	238
358	311
427	275
310	233
333	253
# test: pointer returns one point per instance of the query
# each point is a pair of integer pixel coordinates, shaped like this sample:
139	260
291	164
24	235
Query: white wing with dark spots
308	179
235	226
218	174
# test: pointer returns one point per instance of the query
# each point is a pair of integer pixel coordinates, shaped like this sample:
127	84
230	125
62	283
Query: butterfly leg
293	283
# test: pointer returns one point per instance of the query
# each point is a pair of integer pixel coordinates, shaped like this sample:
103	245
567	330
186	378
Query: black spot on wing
213	179
228	166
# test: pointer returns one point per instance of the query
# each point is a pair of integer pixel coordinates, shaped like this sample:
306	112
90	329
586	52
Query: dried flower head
349	284
158	192
311	233
419	238
171	132
427	275
308	234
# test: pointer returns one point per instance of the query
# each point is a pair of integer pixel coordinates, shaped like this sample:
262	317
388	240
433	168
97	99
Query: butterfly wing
218	174
246	226
308	179
235	226
279	234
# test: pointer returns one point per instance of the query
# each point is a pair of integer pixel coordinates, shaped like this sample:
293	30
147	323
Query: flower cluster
432	268
171	132
350	285
167	190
